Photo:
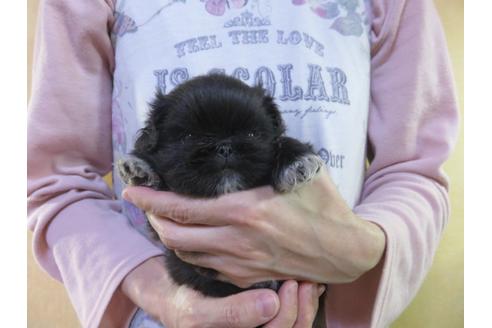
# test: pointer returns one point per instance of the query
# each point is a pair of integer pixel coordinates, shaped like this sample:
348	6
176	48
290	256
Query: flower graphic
350	24
123	24
218	7
323	8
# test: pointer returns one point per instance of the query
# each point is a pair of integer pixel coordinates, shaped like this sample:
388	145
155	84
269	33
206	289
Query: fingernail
321	289
293	288
267	305
125	196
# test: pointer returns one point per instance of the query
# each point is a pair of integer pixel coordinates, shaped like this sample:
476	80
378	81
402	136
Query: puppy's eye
186	137
251	134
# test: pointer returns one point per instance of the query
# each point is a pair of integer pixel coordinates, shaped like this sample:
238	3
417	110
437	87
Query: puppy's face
211	135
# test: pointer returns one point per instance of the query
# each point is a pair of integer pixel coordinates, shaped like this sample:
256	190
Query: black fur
212	135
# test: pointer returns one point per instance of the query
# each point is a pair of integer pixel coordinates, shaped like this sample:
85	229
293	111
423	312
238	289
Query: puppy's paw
298	173
136	172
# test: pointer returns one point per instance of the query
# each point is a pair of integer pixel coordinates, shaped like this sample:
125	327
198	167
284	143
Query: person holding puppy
344	80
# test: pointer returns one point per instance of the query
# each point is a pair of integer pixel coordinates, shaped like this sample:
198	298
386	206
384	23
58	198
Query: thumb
247	309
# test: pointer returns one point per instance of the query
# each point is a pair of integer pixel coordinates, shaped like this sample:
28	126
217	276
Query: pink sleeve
413	123
80	236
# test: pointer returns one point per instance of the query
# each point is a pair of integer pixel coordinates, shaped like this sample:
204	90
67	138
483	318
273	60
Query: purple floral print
350	24
218	7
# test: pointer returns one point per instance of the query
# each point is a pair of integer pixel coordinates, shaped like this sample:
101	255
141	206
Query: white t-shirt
313	56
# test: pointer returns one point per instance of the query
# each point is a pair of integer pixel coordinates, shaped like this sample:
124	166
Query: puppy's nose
224	150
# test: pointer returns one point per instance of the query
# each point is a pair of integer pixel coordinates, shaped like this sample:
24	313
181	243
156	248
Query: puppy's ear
272	111
148	136
147	139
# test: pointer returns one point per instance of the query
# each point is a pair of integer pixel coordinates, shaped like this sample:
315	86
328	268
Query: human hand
298	305
150	287
258	235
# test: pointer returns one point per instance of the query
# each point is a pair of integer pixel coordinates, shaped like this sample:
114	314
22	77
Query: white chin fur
229	183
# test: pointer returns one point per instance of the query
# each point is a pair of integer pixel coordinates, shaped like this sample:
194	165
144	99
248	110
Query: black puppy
210	136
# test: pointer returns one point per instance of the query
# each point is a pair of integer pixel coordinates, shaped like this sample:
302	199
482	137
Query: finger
191	238
231	271
287	314
201	259
247	309
224	210
180	208
308	304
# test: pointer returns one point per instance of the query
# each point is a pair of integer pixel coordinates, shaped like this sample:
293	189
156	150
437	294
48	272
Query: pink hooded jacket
82	239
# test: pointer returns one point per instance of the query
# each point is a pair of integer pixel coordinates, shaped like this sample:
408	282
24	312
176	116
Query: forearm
412	129
80	235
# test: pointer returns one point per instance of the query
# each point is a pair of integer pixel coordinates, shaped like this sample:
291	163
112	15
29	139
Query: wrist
351	249
372	246
149	286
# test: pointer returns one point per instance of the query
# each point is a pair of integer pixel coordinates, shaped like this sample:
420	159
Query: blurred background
438	304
